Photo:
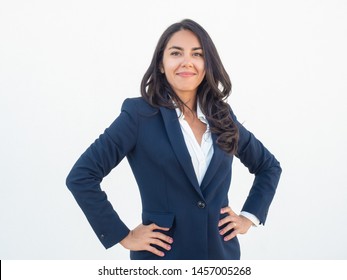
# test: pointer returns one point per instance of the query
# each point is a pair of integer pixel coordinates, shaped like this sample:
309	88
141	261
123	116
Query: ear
161	69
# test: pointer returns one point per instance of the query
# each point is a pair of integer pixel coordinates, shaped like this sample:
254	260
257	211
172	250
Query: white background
67	66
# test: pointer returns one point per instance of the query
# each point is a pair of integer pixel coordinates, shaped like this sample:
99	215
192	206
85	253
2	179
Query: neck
190	101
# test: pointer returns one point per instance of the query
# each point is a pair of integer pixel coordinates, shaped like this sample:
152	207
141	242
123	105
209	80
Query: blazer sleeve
264	166
93	165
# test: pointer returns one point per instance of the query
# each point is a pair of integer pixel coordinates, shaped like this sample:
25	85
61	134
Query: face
183	63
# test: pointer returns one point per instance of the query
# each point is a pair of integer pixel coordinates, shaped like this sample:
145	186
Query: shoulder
138	107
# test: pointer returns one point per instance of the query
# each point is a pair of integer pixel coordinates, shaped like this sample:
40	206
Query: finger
162	236
155	251
227	228
230	236
226	220
155	227
161	244
225	210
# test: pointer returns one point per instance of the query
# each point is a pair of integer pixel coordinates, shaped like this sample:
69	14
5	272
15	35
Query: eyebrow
181	49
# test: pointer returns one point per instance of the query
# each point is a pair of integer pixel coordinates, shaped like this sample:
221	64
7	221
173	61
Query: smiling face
183	63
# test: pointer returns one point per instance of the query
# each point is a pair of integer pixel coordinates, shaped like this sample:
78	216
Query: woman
179	139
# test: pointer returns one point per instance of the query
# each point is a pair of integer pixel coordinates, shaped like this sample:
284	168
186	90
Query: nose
187	61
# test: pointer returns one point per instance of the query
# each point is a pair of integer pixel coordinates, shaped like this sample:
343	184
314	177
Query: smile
186	74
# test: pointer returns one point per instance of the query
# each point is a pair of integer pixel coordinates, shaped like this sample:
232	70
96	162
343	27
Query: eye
175	53
198	54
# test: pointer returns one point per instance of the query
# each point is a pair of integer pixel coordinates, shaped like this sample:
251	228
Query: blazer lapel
176	138
216	160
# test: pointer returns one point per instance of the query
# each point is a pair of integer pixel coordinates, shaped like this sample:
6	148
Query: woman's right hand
143	237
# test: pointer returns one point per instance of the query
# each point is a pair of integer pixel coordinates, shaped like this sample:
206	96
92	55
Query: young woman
179	139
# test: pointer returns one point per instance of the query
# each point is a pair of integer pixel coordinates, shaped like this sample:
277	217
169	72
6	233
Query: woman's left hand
238	223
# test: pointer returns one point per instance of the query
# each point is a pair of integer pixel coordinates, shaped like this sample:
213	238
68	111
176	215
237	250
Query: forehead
184	39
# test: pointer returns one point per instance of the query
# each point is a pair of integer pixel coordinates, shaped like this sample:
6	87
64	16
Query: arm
94	164
267	171
86	176
264	166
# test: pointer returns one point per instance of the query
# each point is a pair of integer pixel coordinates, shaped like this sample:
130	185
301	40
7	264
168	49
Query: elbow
271	165
278	167
71	180
276	170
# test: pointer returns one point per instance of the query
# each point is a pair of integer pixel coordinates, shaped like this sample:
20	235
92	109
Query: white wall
66	67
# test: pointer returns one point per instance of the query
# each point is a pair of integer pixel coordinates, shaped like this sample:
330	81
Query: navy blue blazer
153	143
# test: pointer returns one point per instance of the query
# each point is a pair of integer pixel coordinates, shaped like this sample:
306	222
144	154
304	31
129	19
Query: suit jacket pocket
160	219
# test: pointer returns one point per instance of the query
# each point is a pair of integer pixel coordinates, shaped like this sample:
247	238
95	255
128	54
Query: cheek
203	73
169	75
168	78
169	70
170	65
201	67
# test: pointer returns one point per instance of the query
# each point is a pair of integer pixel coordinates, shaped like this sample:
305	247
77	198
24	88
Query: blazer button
201	204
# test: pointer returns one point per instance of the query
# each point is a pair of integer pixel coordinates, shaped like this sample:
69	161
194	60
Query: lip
186	74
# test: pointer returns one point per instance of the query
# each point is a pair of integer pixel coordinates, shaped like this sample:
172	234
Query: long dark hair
212	92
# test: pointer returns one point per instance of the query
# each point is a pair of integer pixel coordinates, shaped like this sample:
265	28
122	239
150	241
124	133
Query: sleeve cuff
251	217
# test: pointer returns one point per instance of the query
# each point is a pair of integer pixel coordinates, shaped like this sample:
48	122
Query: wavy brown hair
212	92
